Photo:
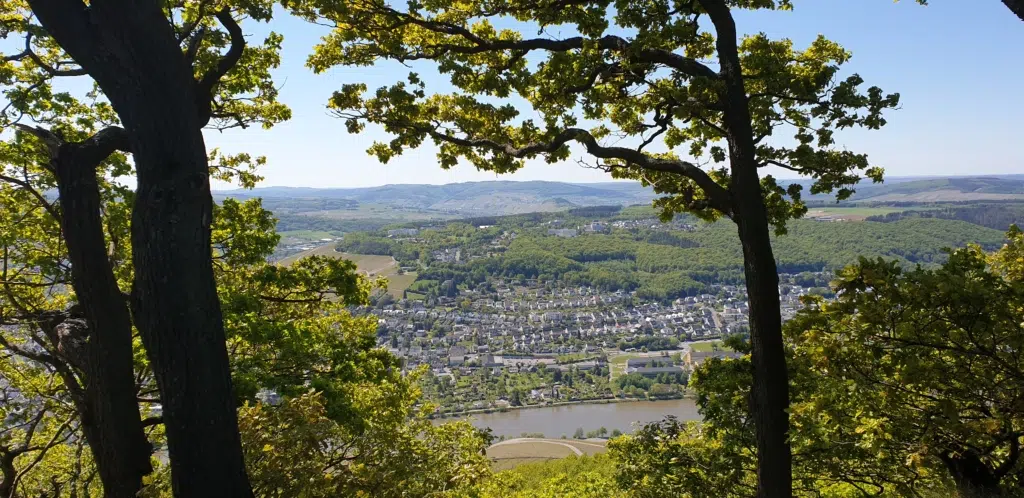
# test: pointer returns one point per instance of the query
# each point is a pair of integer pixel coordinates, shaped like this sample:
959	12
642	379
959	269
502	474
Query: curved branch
47	205
718	196
102	144
612	43
204	87
46	67
92	151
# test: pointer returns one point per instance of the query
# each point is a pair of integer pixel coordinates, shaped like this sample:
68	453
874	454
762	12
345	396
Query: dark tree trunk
1016	6
770	390
971	475
7	473
129	48
109	411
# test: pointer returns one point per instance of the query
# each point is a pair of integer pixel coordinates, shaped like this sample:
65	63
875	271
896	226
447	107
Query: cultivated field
370	264
849	213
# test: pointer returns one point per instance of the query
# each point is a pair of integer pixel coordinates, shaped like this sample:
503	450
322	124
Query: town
524	343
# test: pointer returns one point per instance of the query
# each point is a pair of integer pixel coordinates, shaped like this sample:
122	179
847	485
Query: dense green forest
658	263
995	215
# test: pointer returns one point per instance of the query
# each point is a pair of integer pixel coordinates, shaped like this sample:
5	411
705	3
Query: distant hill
472	198
939	189
509	197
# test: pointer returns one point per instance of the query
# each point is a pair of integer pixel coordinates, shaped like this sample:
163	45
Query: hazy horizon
949	123
609	181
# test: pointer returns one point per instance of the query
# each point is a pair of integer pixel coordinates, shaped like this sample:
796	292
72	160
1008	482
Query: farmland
370	264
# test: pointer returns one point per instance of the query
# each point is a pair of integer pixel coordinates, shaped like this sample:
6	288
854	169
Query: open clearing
708	346
370	264
617	364
849	213
513	452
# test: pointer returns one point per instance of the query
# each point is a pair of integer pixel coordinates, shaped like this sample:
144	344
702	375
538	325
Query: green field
850	213
370	264
379	212
617	364
707	347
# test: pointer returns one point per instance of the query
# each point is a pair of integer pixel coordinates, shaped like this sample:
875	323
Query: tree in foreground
349	421
909	383
647	90
159	73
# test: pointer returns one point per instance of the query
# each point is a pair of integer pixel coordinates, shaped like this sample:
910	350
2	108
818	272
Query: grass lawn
707	347
371	264
617	364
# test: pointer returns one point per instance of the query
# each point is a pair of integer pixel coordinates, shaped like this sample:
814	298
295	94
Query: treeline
996	216
363	243
595	211
661	265
291	222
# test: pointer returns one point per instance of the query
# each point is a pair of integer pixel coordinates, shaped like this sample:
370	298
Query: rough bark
129	48
770	390
109	411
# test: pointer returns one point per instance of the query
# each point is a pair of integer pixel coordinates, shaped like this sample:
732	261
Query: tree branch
193	45
67	21
102	144
51	140
46	67
612	43
150	421
205	86
52	211
782	165
717	195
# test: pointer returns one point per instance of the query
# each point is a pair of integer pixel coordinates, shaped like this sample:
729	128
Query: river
556	421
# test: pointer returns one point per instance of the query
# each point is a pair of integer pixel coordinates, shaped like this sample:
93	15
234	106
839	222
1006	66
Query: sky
958	65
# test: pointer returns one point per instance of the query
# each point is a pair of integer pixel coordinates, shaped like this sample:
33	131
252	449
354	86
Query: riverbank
600	401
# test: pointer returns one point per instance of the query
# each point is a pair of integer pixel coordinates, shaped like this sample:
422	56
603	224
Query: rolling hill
471	198
336	209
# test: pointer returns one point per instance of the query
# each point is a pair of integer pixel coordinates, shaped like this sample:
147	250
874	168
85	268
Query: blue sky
958	66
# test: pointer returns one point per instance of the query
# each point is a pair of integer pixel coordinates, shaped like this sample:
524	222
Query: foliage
661	265
287	327
933	355
572	477
650	85
907	384
996	216
295	450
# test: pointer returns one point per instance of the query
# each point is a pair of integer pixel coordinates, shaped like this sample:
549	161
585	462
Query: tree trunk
7	473
1016	6
770	390
971	475
110	412
130	49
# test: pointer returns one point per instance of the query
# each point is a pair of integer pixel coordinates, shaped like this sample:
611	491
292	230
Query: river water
556	421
